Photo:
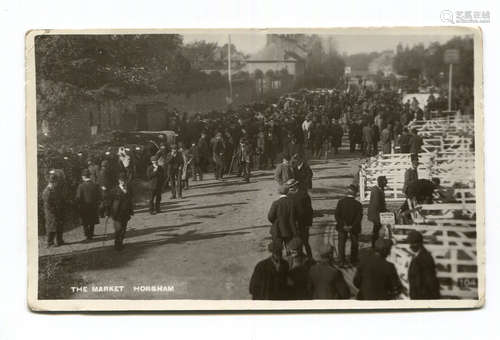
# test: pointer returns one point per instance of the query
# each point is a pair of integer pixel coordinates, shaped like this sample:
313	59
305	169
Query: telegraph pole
230	98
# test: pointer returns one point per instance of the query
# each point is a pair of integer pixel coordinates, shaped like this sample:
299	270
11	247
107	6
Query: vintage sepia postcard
255	169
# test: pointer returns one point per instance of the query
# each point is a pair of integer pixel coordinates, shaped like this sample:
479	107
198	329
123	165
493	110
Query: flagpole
230	101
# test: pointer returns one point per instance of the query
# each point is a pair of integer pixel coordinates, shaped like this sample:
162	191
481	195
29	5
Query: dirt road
203	246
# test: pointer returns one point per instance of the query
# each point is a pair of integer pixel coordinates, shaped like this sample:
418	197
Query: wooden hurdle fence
453	246
393	167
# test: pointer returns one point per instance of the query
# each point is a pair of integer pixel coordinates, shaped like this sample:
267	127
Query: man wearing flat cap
424	284
348	215
269	278
283	217
303	207
325	281
88	198
376	278
243	156
156	177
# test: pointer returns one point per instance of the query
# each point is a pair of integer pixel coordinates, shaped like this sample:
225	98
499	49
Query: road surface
203	246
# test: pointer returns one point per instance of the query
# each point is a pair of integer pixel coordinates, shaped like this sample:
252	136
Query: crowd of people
281	136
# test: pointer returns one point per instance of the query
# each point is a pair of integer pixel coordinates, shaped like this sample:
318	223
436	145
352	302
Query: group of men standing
92	203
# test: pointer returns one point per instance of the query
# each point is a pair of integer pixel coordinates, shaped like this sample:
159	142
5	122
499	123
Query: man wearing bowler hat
303	207
376	206
88	197
424	284
348	215
283	217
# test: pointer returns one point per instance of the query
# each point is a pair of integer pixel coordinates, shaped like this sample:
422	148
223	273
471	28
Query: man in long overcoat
53	208
88	198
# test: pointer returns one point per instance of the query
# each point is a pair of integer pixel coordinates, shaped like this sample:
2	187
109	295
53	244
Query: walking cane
231	165
105	230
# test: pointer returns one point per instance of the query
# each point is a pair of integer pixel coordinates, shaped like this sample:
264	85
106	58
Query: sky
350	44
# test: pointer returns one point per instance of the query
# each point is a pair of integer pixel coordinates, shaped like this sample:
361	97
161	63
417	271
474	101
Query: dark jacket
88	197
53	208
303	207
377	279
284	218
121	206
326	282
404	143
156	178
303	176
336	133
377	204
203	148
349	212
411	176
298	279
415	143
267	283
174	164
424	284
106	178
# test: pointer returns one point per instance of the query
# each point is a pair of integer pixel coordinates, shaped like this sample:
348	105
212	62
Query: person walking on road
243	155
53	208
88	198
175	163
156	177
121	209
348	215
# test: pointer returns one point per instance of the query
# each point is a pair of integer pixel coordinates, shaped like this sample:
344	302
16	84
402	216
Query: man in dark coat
88	198
302	172
325	281
53	208
336	133
106	178
243	155
121	209
174	163
348	215
269	278
156	177
411	174
303	207
416	142
424	284
204	151
376	206
404	141
283	216
376	278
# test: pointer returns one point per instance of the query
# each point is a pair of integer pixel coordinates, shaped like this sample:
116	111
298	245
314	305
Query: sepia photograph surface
284	169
